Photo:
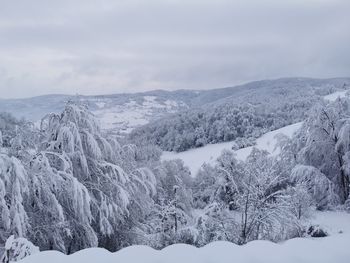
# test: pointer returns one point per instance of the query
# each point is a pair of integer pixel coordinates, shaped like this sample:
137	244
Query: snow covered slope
126	116
331	249
335	95
195	158
123	112
118	113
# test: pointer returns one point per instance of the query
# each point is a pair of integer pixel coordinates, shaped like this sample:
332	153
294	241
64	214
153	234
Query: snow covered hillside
118	113
125	117
331	249
254	109
195	158
335	95
121	113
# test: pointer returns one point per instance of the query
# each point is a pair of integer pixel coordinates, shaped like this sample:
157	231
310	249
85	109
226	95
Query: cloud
91	47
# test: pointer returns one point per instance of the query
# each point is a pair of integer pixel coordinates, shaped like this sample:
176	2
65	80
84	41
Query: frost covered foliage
269	197
316	183
251	112
8	126
68	186
17	136
324	144
17	249
14	189
250	200
170	217
70	191
106	199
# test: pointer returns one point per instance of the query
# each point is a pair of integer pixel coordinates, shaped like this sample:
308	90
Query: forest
253	110
67	185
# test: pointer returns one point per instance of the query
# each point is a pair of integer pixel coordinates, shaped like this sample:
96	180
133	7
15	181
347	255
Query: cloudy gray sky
112	46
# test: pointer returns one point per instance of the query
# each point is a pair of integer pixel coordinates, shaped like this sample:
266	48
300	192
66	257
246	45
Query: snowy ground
125	117
332	249
195	158
335	95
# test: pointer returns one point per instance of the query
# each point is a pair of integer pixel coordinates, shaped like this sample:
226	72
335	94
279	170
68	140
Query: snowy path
332	249
195	158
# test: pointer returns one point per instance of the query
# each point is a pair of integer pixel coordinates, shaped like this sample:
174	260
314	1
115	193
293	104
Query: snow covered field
125	117
331	249
195	158
335	95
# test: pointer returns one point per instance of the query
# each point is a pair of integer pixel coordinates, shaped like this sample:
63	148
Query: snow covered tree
17	249
59	205
327	144
261	202
205	186
75	135
215	223
258	192
171	214
69	186
300	201
320	188
14	189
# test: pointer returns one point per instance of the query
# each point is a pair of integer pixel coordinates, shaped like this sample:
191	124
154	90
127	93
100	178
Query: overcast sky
112	46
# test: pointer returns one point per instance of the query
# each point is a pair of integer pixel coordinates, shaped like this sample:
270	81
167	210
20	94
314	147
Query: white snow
268	141
331	249
150	98
171	103
116	117
195	158
100	104
125	117
333	222
9	241
333	96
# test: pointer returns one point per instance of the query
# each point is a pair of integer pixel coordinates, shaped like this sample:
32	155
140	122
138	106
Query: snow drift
332	249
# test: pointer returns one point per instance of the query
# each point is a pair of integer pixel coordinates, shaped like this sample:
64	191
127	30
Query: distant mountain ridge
126	111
